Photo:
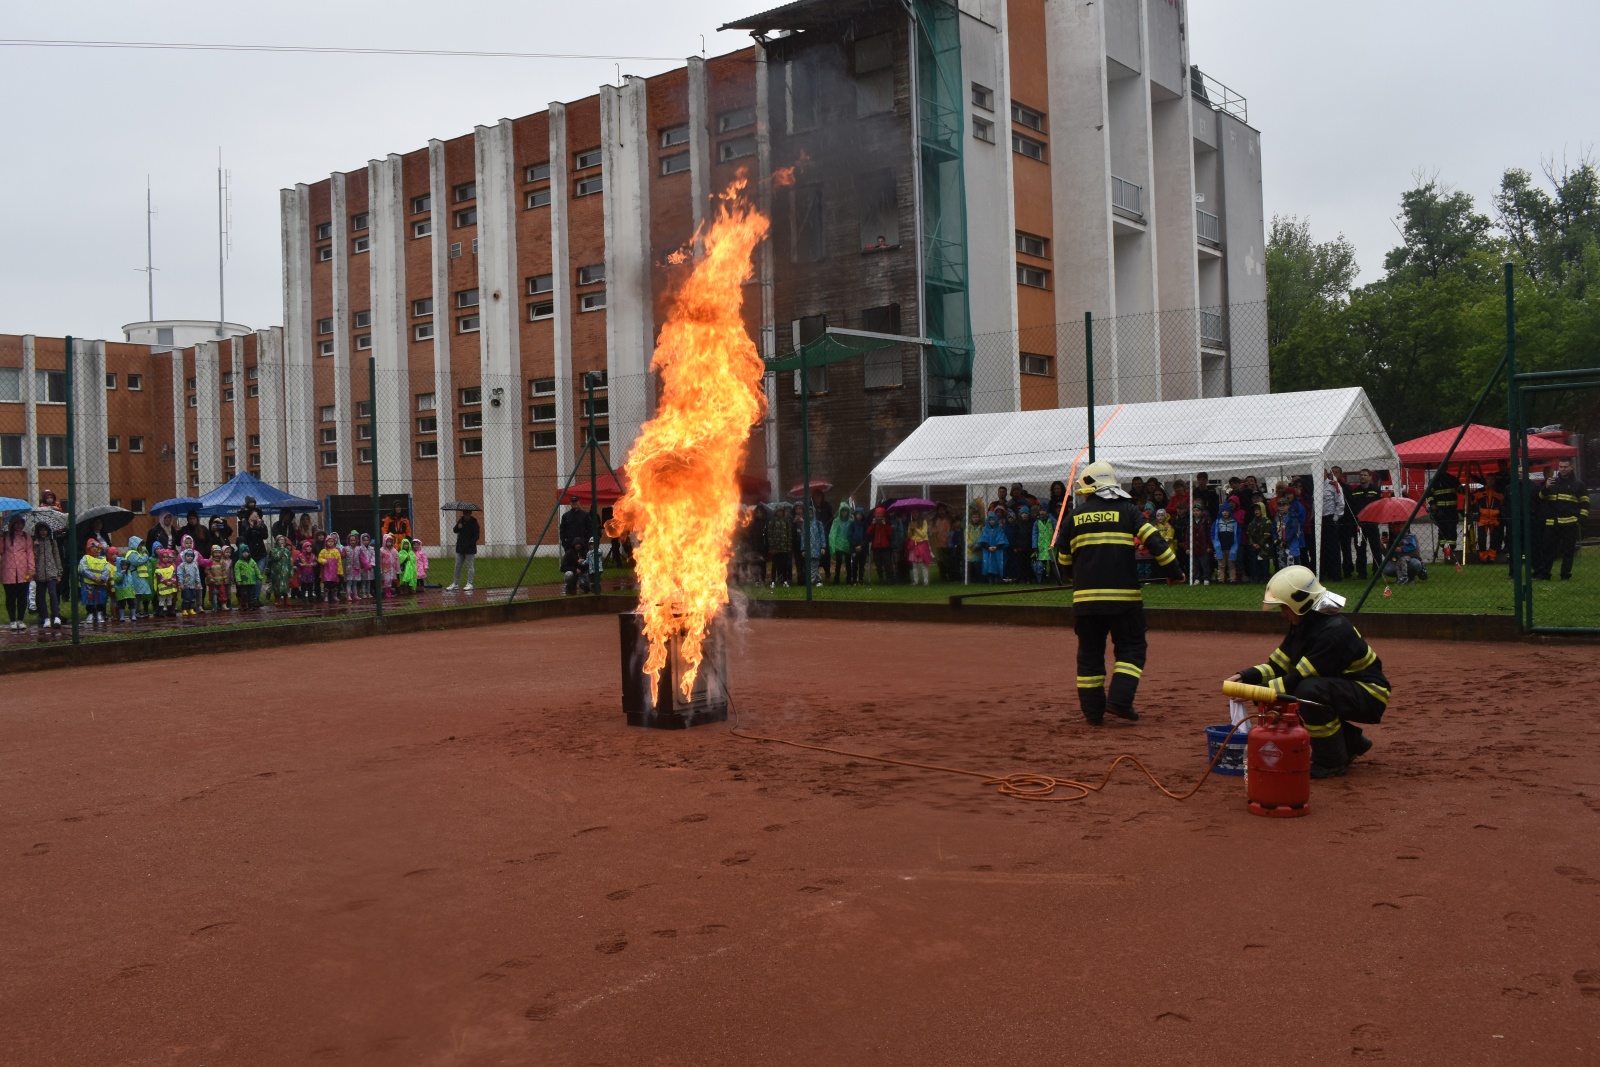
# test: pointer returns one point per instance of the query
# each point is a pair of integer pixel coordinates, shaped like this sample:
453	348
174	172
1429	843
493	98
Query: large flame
683	470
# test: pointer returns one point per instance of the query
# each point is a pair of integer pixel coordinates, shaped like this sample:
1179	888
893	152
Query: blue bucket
1232	761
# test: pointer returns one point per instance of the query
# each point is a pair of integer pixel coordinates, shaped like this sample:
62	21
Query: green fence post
71	562
805	473
377	510
1519	594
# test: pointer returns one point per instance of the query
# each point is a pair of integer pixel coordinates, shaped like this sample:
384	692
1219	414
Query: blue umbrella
11	503
178	505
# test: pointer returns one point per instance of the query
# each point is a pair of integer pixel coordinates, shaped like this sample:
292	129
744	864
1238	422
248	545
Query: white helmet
1096	478
1297	589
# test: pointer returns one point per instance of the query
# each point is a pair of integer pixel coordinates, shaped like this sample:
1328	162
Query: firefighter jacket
1322	646
1486	505
1444	499
1563	501
1359	496
1099	545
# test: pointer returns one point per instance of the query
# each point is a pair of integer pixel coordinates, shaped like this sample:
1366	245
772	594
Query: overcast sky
1352	99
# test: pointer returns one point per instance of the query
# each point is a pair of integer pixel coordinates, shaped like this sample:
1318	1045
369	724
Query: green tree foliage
1422	339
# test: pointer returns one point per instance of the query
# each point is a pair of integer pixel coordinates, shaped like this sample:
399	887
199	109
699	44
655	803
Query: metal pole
1088	369
149	254
805	474
1519	594
222	300
372	443
594	493
72	495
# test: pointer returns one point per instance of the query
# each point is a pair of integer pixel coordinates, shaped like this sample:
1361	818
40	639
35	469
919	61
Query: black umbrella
111	518
459	505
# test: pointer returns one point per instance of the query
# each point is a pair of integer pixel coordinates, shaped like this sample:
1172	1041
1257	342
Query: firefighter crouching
1098	545
1326	663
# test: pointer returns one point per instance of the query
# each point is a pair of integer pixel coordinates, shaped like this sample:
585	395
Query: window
194	448
537	172
361	245
472	446
472	420
467	324
427	449
1024	115
363	455
592	275
803	95
422	203
52	450
422	307
542	387
111	443
326	349
323	326
455	249
330	435
874	62
541	283
467	298
736	119
673	136
50	386
252	372
1031	244
136	505
255	440
363	409
227	396
1033	364
1039	279
539	198
423	332
227	377
324	231
326	414
466	191
541	439
882	367
982	96
880	214
364	432
10	450
541	413
735	148
362	320
255	460
194	401
115	502
11	385
330	458
135	383
422	228
602	406
466	217
541	310
471	395
592	301
803	332
586	159
231	463
808	239
588	186
474	246
1027	146
135	444
982	129
678	164
254	391
602	434
363	342
227	444
324	253
426	402
194	464
358	222
601	378
111	381
428	424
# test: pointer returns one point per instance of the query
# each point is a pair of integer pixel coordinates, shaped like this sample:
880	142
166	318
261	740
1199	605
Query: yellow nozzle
1245	691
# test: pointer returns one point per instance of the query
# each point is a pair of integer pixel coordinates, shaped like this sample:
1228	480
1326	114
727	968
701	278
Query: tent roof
1291	432
229	497
1481	444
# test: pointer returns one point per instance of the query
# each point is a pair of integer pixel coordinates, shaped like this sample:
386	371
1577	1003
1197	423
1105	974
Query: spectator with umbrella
466	530
16	569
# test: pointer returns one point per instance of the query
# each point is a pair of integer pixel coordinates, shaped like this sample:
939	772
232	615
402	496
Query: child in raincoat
993	545
96	576
228	582
919	550
186	580
352	565
127	596
408	567
1044	535
1226	540
389	564
423	560
216	579
247	577
330	566
167	581
304	578
139	573
366	566
839	541
975	523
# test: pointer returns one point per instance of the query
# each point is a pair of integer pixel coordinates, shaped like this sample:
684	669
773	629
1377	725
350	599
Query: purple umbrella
912	504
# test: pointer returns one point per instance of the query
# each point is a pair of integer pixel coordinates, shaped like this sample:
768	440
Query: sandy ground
449	849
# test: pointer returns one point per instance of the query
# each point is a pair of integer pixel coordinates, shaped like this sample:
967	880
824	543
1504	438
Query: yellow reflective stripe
1089	681
1378	692
1567	519
1276	685
1266	670
1126	668
1167	557
1146	531
1064	558
1101	539
1305	667
1280	658
1363	663
1327	729
1104	594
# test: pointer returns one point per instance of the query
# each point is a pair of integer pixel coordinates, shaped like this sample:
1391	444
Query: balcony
1217	96
1127	198
1212	331
1208	227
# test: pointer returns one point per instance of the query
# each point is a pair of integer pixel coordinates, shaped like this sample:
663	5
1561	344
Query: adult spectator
1563	504
255	535
16	569
576	526
396	523
1365	492
221	532
285	526
1205	495
1333	509
165	531
193	528
466	531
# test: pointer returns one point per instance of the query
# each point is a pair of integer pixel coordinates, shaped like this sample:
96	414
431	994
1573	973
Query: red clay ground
448	849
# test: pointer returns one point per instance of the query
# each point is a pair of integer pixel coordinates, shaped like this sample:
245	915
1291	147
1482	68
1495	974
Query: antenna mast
224	235
149	245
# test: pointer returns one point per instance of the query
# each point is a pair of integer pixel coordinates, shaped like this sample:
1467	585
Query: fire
683	493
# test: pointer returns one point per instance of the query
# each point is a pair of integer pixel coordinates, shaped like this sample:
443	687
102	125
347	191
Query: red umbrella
1390	509
816	487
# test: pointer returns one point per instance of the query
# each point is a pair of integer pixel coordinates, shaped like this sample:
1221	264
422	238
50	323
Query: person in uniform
1444	501
1097	546
1563	505
1327	665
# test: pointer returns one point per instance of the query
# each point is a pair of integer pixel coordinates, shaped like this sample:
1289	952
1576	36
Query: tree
1440	229
1549	234
1303	274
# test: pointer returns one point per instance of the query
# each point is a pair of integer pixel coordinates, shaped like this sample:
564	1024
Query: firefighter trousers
1339	705
1126	631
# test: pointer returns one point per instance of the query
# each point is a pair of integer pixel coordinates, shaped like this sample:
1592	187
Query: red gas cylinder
1277	775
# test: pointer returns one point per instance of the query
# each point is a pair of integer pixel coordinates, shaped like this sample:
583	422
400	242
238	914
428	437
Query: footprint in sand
619	894
742	856
1576	874
1367	1038
1588	982
610	946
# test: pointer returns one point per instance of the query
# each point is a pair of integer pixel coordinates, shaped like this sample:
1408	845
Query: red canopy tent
1481	444
608	491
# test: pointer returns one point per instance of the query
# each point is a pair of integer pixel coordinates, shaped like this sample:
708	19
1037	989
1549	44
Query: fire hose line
1022	785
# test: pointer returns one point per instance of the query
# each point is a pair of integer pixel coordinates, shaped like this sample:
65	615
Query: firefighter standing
1444	501
1486	506
1563	504
1327	664
1097	546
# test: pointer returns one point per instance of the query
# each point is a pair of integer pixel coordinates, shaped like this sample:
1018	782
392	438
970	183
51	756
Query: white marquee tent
1276	435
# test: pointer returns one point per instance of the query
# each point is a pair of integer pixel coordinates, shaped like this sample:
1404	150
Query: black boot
1329	756
1356	743
1123	713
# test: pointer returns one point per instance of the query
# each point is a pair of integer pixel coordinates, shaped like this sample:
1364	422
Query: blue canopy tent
178	506
229	498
